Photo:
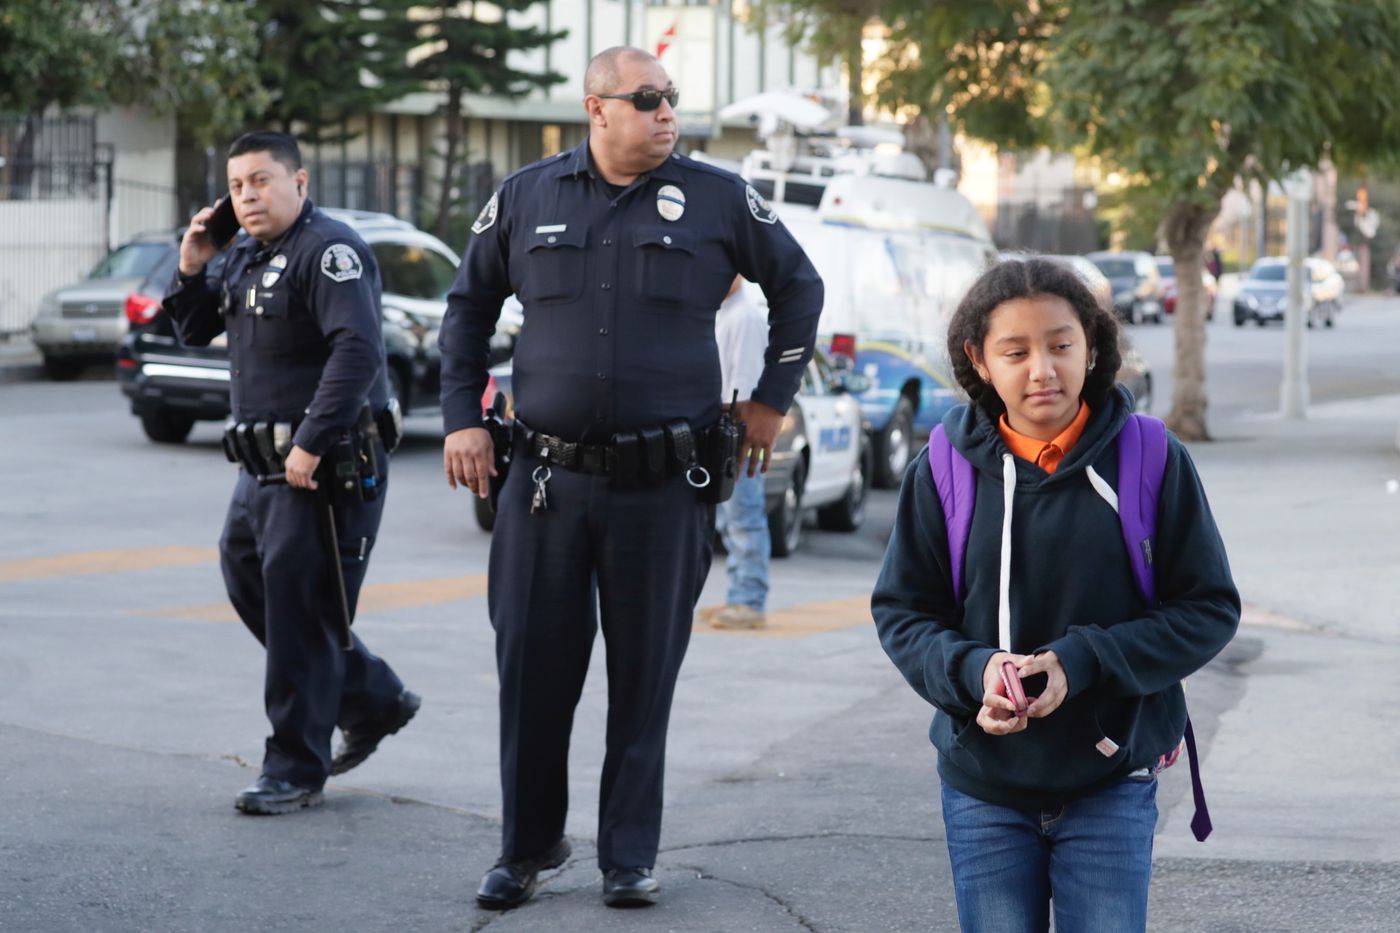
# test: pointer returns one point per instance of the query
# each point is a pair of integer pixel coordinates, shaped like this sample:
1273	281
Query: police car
172	386
821	460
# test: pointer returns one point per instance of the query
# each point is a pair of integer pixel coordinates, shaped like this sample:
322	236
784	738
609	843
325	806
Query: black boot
359	743
630	887
271	796
511	883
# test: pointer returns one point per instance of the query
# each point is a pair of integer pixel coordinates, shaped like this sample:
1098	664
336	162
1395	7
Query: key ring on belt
704	476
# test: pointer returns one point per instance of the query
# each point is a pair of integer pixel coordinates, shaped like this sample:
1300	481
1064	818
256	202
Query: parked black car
1136	284
172	386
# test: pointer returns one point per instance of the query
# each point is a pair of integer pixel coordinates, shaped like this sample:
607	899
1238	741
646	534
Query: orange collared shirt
1045	455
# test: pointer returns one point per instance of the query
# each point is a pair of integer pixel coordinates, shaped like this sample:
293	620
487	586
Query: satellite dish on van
802	113
868	137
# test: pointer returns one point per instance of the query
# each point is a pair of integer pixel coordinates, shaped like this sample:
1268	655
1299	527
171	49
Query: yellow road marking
116	561
806	619
377	597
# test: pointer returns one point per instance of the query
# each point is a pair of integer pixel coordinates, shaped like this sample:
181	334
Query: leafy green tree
1185	96
1191	95
189	58
975	62
832	30
194	59
461	54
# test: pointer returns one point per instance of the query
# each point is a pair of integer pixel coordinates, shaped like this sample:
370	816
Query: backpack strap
956	483
1142	463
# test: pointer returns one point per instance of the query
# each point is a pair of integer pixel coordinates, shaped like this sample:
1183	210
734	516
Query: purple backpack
1142	461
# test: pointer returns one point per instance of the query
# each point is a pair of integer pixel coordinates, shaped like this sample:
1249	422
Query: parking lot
800	789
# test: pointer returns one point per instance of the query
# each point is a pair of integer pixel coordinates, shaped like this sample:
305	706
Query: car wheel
893	445
849	513
1240	318
1260	321
61	369
166	427
485	513
785	522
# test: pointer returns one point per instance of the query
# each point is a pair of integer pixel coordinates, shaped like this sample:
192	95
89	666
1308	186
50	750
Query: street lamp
1293	395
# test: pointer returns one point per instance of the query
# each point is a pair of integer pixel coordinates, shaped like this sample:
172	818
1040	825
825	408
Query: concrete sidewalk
801	793
19	360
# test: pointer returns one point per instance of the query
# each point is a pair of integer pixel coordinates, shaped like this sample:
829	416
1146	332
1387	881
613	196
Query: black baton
330	544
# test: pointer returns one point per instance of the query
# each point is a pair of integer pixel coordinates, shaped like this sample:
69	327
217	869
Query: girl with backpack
1054	801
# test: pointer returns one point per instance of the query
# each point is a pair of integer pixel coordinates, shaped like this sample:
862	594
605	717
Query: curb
20	362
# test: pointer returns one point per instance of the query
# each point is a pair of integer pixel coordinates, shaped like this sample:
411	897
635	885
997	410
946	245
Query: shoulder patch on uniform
340	263
759	207
487	217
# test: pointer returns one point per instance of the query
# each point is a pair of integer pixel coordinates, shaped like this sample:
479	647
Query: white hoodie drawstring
1008	485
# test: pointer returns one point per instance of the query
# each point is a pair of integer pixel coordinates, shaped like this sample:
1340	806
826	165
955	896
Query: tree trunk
1185	229
449	161
855	69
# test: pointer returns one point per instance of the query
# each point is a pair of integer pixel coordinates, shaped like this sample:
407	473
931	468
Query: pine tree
467	54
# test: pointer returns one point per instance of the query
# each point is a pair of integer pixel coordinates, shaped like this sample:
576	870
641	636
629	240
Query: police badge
487	217
340	263
275	268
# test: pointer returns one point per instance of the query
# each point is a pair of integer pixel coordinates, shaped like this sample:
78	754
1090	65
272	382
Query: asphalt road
800	786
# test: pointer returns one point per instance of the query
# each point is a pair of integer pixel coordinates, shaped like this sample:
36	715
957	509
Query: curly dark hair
1026	278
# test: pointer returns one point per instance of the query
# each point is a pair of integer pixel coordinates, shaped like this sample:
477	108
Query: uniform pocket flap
665	238
574	236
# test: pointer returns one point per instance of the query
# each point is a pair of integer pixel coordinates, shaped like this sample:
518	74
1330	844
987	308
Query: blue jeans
743	524
1092	856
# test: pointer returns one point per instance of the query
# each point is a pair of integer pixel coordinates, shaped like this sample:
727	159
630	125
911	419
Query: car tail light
126	362
141	309
489	396
844	344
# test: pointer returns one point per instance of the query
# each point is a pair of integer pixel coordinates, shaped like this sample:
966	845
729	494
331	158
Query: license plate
84	334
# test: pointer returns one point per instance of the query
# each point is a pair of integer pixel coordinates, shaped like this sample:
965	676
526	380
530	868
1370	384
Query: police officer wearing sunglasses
621	251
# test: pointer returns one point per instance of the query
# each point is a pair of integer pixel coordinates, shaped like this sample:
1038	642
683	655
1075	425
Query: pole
1293	394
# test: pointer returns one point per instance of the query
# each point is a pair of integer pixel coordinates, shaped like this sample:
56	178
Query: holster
494	421
389	422
719	450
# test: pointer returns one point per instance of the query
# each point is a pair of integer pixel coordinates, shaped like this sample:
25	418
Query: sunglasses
649	99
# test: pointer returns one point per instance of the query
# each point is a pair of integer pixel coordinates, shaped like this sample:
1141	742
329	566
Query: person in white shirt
741	331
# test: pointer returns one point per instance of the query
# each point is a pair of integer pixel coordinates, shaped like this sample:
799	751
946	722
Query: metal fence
61	210
1064	225
55	185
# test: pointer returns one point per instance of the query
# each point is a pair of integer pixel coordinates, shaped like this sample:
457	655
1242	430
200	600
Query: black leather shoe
630	887
511	883
271	796
358	744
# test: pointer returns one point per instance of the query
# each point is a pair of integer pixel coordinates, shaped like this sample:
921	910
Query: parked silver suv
85	322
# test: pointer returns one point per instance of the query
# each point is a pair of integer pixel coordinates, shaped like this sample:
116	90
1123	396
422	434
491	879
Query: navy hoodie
1072	592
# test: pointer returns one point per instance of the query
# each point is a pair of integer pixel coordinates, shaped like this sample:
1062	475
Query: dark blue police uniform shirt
620	291
303	322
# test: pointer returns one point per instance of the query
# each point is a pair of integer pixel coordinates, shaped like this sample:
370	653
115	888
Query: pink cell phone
1011	678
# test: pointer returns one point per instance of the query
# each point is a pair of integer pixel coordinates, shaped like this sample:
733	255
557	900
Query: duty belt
639	457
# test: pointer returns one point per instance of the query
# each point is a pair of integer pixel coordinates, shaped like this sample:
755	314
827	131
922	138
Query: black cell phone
222	225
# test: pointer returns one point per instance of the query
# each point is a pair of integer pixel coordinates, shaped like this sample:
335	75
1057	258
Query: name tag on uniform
552	228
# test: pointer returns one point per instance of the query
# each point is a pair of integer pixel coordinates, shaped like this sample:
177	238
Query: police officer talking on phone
620	251
298	295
